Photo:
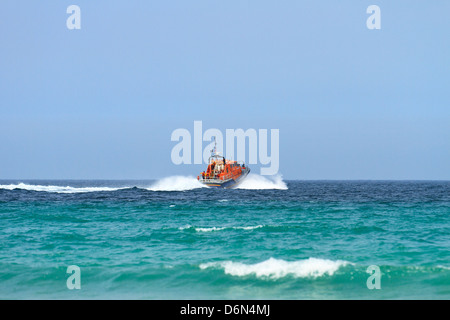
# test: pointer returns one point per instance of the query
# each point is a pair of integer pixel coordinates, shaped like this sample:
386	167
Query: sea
269	238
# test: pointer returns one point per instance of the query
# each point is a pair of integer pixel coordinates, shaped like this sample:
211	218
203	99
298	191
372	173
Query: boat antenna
214	151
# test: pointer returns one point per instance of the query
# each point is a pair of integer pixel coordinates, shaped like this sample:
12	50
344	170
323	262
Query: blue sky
101	102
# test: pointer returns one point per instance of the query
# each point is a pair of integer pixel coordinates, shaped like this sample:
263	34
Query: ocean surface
269	239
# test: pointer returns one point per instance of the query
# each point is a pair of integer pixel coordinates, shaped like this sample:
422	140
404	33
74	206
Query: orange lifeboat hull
231	175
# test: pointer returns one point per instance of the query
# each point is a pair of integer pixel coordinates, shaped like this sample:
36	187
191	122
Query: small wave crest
257	182
211	229
278	268
56	189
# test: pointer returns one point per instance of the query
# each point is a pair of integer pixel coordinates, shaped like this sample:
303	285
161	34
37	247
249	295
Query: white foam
176	183
210	229
257	182
248	228
56	189
277	268
443	267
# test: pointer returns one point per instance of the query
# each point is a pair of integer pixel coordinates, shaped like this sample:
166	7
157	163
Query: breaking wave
278	268
257	182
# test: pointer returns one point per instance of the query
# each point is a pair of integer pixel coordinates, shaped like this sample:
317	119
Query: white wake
176	183
257	182
56	189
173	183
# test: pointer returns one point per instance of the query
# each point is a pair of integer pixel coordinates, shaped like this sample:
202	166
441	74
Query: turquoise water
267	240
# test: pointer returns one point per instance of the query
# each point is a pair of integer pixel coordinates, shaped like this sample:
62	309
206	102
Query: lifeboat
223	173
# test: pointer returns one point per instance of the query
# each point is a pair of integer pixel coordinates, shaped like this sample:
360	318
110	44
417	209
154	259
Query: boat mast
214	150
